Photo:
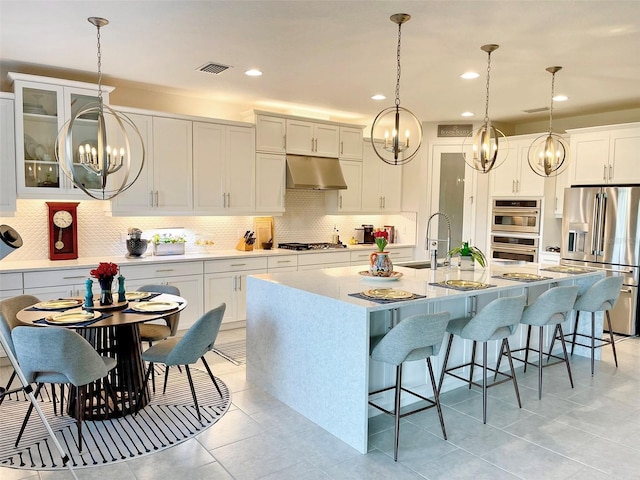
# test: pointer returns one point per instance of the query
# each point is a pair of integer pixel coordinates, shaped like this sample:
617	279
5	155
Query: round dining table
115	333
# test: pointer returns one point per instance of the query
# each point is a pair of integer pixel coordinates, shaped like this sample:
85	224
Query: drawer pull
165	270
71	278
238	264
284	261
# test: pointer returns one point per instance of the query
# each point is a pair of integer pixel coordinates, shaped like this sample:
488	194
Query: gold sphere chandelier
548	155
102	166
400	129
485	140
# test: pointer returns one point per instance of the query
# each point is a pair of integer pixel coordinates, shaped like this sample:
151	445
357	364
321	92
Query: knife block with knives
245	244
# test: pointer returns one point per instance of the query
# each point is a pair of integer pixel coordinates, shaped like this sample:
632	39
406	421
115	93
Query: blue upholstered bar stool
600	297
414	338
496	321
550	308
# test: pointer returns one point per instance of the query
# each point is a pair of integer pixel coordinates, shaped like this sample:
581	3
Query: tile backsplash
100	234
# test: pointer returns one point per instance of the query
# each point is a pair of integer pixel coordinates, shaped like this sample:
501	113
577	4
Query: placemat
568	270
390	300
462	289
43	321
522	279
166	312
146	299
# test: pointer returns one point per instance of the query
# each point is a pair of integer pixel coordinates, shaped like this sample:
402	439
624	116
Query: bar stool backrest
56	355
499	313
601	296
551	307
414	338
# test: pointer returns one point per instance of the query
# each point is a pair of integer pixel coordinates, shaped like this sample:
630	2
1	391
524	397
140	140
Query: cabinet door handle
341	148
284	141
604	173
151	198
156	195
517	186
240	283
513	186
228	200
610	172
312	145
384	202
224	200
235	283
340	201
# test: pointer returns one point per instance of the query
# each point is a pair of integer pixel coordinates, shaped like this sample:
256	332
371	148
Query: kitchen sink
419	265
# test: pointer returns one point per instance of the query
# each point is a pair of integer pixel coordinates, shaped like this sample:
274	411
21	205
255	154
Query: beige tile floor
591	432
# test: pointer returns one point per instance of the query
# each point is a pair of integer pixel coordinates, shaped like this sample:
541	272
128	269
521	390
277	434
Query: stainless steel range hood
314	173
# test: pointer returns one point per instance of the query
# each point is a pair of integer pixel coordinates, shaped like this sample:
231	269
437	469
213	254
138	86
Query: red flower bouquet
382	238
105	270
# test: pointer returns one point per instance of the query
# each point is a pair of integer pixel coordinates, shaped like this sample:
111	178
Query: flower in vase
104	270
381	238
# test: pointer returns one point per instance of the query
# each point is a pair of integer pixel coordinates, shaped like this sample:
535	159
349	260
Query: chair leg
54	400
484	381
206	365
540	340
613	343
436	397
526	352
80	412
26	417
473	363
564	351
575	331
505	343
166	377
6	389
593	342
193	391
153	379
396	412
446	359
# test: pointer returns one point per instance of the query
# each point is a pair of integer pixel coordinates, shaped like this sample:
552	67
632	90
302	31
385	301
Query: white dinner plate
394	276
387	294
154	306
73	317
136	295
58	304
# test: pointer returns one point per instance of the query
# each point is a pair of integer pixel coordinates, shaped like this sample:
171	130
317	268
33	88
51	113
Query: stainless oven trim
519	250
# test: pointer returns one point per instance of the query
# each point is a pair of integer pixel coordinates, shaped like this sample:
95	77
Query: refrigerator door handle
603	216
595	224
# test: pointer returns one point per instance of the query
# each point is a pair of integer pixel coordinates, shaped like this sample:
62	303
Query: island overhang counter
308	337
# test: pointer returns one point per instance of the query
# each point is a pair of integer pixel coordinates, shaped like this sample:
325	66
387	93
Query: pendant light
549	154
485	141
400	129
100	166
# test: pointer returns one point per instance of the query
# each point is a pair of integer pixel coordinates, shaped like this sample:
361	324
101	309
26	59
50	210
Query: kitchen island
308	338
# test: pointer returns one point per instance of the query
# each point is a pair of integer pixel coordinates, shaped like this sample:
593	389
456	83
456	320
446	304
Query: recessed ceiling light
378	97
560	98
253	73
470	75
467	114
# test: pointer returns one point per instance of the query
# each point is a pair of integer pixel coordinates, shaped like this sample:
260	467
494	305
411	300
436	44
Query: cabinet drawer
324	258
10	281
235	265
283	261
361	256
56	277
161	270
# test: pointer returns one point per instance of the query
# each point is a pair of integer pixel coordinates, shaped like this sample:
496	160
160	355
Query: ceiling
326	58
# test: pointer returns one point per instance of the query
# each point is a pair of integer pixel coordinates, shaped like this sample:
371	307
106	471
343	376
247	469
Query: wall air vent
537	110
212	67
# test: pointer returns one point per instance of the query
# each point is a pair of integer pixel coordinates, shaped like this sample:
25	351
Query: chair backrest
9	309
58	353
551	307
413	338
173	319
601	296
499	313
199	339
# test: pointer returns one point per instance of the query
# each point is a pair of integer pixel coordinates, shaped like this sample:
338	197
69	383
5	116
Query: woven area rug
166	421
235	352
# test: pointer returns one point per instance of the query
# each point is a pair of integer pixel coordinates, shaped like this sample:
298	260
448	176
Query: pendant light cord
553	82
398	61
99	55
486	107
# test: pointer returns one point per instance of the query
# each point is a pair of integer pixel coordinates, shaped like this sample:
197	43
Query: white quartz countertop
337	283
8	266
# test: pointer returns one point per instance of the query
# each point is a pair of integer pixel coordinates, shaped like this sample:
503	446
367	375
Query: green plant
167	238
466	251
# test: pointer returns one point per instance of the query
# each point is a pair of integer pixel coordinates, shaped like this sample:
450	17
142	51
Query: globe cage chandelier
548	155
101	159
391	122
485	140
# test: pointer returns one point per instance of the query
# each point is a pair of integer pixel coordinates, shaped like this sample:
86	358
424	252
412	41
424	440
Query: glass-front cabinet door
42	109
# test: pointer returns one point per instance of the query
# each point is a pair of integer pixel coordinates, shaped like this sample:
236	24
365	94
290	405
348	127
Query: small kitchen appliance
368	234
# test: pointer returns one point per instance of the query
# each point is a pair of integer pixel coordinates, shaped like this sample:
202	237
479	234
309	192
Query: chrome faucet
432	244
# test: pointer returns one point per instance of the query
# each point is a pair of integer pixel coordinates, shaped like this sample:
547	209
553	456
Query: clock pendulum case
63	230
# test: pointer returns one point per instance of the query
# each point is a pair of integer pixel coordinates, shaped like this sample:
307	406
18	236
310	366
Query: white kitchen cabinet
270	134
224	163
381	183
42	106
314	261
53	283
350	143
607	154
514	176
226	280
562	181
349	200
270	182
315	139
7	156
400	254
282	263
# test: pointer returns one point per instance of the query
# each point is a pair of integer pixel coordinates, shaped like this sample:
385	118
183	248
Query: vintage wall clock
63	230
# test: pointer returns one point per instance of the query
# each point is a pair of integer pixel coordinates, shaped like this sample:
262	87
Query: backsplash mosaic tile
100	234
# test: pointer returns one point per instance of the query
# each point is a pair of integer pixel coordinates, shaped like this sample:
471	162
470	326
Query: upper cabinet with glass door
42	106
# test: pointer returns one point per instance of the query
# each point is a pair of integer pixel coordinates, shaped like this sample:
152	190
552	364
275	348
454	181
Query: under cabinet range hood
314	173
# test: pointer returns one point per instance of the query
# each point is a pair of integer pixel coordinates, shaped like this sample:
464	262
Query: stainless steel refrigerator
600	229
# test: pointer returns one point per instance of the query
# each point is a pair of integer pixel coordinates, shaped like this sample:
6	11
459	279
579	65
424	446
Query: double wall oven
515	228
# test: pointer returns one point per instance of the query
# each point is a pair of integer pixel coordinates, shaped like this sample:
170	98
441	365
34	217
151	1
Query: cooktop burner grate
310	246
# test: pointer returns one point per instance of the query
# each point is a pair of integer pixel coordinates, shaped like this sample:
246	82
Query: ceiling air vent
212	67
537	110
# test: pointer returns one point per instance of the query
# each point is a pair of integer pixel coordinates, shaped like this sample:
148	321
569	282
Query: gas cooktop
310	246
